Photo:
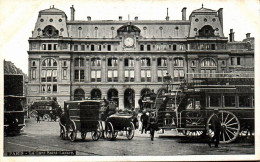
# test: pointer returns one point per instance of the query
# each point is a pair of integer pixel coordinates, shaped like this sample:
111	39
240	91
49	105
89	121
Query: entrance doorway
129	98
95	94
112	95
79	94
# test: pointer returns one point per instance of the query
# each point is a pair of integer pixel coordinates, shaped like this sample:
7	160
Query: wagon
189	107
46	109
120	122
81	117
13	114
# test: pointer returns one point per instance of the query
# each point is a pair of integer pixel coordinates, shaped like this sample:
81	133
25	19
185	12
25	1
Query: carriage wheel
109	131
192	133
83	135
230	126
97	133
194	118
46	117
62	133
130	131
115	135
72	133
33	114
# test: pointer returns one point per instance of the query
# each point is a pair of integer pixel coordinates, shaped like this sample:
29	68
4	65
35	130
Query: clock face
129	42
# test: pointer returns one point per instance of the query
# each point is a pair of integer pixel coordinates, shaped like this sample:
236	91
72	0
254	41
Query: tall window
145	75
76	48
109	47
96	76
92	47
162	62
208	67
79	75
113	62
82	47
95	62
79	62
148	47
161	74
178	62
141	47
129	75
145	62
129	62
112	76
49	75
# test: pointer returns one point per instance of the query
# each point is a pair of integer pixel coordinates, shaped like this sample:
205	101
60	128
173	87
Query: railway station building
123	59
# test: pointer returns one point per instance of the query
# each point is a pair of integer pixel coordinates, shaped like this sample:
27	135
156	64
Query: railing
219	75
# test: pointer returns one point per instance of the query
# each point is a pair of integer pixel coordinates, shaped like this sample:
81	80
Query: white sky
18	17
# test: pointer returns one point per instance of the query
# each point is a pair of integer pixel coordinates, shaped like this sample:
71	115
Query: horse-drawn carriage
120	122
83	117
13	114
46	109
189	107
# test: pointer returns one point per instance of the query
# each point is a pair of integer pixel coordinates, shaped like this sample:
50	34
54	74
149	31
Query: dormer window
206	31
50	31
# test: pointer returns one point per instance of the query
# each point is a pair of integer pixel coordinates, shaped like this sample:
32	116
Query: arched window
129	62
208	62
79	94
178	62
95	94
162	62
145	61
112	62
50	31
206	31
49	75
129	98
112	95
208	67
95	62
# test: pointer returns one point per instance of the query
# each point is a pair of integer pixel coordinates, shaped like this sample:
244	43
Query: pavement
44	136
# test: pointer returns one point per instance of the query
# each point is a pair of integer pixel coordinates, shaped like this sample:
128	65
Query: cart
189	108
82	117
120	122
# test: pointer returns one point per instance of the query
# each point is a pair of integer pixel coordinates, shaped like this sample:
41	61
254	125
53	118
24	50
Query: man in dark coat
144	119
140	102
152	124
216	126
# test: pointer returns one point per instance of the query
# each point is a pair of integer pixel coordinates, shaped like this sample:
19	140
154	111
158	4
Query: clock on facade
129	42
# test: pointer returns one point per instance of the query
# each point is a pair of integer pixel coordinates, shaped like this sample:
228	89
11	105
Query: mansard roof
52	10
204	10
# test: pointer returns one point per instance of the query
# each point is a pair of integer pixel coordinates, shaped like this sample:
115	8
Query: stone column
154	69
88	70
103	70
121	69
121	101
137	70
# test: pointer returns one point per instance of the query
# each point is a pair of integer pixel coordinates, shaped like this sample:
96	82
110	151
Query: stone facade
121	60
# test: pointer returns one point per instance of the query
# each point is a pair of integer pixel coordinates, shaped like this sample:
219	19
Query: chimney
89	18
247	35
167	17
72	12
184	13
231	36
120	18
136	18
220	16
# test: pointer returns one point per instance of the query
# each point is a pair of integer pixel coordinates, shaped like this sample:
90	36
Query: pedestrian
152	124
144	119
140	102
216	126
38	118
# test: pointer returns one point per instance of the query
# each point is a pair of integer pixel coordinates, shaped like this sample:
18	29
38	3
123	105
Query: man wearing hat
144	120
216	126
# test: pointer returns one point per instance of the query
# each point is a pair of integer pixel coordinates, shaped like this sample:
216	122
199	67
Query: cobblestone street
44	136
